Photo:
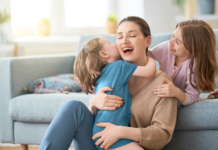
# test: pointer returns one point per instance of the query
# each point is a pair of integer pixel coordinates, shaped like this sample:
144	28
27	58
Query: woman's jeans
73	122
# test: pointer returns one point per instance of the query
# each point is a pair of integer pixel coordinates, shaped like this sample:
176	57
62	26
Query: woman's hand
166	90
108	136
104	101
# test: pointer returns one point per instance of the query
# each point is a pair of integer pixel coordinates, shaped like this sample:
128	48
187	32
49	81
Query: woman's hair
199	39
88	65
144	27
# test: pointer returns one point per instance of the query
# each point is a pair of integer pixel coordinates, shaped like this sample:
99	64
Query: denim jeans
73	122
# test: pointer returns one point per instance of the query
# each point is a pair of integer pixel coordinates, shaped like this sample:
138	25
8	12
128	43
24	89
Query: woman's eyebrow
132	31
128	32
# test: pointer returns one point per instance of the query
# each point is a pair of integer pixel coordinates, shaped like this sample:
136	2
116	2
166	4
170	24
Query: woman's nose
125	40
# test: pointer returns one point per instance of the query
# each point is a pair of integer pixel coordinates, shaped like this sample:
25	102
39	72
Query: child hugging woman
98	65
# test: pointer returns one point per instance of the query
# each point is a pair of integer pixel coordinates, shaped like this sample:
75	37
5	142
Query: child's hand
166	90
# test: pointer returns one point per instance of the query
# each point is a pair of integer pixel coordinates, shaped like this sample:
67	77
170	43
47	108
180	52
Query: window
27	13
85	13
65	16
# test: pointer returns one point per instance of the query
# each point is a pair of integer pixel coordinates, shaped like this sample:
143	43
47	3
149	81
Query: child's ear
104	55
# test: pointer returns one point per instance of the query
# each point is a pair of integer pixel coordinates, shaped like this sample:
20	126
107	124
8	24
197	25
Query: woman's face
177	47
131	43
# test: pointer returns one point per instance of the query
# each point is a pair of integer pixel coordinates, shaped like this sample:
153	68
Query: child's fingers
161	86
161	90
162	95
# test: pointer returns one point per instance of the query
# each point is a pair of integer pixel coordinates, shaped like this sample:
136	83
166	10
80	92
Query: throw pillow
62	83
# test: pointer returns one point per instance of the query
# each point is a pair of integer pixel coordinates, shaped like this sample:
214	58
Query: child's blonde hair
200	40
88	65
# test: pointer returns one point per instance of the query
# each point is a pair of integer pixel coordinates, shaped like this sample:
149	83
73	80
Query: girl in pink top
189	58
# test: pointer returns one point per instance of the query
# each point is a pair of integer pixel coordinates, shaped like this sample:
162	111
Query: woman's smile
127	50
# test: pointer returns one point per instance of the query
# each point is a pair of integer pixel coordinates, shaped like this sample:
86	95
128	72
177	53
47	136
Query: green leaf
4	16
112	17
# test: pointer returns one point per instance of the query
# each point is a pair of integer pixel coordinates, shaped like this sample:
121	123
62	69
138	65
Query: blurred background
47	27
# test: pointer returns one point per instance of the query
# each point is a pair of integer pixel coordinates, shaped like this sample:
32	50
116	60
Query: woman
153	119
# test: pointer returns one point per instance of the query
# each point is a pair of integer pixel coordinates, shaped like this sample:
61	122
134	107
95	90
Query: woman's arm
146	71
104	101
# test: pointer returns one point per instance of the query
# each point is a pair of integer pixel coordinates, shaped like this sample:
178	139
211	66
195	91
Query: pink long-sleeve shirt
180	75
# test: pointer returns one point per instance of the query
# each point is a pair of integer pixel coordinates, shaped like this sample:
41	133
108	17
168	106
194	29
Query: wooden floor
18	147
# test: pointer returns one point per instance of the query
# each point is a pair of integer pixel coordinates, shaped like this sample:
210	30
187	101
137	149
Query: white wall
160	15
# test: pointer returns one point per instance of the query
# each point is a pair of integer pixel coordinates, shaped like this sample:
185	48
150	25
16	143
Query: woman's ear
104	55
148	41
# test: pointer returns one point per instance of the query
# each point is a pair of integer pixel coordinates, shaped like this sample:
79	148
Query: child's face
177	47
110	49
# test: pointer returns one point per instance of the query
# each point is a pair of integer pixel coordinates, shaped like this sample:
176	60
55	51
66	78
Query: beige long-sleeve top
155	116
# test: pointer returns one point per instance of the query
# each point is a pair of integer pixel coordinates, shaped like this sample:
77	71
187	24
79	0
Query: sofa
24	118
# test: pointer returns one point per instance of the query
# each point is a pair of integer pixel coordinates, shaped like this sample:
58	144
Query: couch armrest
15	73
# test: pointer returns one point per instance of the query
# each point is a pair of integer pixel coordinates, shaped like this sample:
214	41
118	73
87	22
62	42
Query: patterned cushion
55	84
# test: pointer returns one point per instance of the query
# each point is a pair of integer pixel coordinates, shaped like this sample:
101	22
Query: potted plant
4	17
111	25
43	27
179	3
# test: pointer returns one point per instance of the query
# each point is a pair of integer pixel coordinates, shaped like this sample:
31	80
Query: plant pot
205	7
111	27
43	28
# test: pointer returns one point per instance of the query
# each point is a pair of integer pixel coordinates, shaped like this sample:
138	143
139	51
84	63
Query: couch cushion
41	108
198	116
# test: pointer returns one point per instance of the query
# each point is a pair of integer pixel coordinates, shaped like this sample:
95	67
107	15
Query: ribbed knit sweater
155	116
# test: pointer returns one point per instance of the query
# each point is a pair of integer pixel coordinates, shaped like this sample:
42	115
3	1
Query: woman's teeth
125	50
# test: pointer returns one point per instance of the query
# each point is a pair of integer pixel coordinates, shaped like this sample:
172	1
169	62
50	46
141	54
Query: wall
160	15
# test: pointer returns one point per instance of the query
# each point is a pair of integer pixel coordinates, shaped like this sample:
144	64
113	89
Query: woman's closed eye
119	36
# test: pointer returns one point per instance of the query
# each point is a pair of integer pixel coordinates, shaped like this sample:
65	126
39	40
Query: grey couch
24	118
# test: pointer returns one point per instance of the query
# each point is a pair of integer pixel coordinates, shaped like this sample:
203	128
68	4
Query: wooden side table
7	50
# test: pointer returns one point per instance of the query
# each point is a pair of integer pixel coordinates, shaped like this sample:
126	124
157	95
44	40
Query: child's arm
146	71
